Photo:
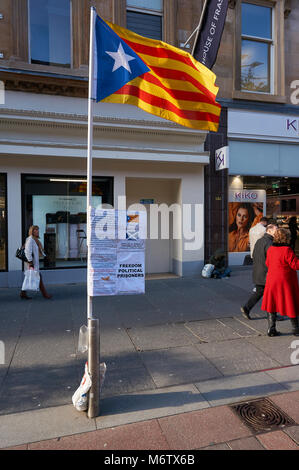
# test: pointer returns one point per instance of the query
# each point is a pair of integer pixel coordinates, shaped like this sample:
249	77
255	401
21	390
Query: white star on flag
121	59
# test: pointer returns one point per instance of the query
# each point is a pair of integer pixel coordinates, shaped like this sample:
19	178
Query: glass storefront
57	204
282	197
3	223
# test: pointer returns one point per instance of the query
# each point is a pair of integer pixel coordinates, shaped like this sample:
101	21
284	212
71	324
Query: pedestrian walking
293	229
33	251
281	290
259	271
257	232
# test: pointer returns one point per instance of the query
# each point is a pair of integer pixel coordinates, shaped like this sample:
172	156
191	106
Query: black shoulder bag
20	254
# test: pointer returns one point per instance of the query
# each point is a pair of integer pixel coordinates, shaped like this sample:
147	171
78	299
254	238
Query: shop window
257	48
288	205
50	32
57	204
282	194
145	17
3	223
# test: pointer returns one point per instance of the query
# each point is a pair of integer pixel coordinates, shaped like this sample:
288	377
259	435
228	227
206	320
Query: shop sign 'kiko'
245	195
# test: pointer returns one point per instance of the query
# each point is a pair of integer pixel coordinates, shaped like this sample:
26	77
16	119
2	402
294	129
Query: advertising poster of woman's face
242	216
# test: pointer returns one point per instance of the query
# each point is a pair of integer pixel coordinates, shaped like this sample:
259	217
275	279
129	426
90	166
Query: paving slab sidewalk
181	348
208	428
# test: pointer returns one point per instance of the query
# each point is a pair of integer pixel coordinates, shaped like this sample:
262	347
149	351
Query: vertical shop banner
209	37
116	252
245	209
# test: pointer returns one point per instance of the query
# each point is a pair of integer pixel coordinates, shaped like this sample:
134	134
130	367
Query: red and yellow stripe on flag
177	88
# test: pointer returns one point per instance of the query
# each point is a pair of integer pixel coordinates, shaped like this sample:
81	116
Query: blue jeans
218	275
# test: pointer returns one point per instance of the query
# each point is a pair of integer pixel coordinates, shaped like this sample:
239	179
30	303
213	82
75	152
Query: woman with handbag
33	250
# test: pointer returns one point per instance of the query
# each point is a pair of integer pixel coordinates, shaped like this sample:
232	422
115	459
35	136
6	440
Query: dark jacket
259	259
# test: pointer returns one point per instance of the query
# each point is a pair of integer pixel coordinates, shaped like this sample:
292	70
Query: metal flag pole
93	323
190	37
199	26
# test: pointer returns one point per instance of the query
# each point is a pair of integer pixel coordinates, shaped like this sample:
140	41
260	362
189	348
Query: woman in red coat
281	293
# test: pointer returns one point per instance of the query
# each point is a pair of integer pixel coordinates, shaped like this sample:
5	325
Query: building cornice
33	118
107	152
25	132
96	146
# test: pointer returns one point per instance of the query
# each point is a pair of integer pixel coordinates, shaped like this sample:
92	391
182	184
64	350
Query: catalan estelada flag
157	77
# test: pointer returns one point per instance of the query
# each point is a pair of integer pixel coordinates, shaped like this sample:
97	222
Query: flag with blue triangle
115	63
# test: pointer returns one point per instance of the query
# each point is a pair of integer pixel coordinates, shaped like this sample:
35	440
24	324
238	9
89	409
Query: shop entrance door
157	252
148	191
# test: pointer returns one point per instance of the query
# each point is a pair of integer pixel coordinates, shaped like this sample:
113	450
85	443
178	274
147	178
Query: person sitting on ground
219	261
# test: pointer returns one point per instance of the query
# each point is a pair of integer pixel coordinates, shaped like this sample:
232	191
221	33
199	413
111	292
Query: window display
3	224
281	199
58	206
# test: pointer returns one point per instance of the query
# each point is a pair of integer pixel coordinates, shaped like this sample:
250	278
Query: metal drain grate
262	415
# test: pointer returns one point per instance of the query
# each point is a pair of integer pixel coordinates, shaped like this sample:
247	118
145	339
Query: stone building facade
43	128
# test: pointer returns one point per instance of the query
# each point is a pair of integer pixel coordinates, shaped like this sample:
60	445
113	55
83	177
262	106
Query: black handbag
20	254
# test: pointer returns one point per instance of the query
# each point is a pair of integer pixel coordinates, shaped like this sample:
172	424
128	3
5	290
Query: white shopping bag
207	270
80	397
31	280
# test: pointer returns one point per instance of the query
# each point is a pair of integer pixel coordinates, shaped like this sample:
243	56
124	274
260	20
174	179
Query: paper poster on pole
116	264
130	272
